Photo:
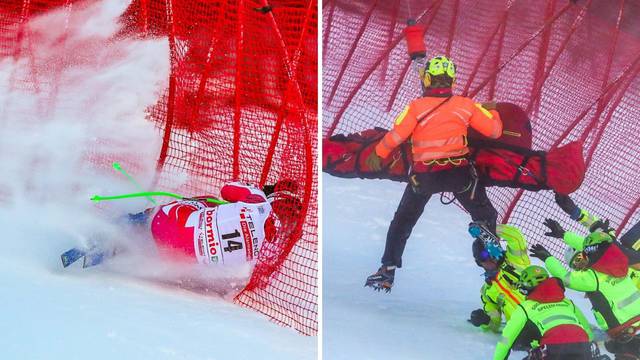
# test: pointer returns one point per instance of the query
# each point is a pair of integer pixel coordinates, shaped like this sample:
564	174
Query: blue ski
72	255
97	256
91	257
491	242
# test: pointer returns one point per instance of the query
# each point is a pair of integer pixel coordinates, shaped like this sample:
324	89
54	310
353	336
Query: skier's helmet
531	277
439	67
480	252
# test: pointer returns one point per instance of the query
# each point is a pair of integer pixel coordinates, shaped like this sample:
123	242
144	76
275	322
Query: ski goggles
483	256
486	254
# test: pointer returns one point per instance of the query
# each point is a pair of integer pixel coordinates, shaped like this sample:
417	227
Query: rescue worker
553	324
437	125
629	242
499	293
602	272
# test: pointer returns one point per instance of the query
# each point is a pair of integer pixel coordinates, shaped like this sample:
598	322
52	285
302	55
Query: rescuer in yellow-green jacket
546	319
499	293
629	242
602	272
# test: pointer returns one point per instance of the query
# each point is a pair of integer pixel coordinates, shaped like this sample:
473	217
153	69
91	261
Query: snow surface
54	313
425	315
57	142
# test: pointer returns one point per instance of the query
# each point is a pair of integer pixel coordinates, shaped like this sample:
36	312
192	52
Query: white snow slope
56	147
54	313
425	316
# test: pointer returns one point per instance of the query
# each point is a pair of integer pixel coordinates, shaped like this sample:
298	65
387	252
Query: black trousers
571	351
624	350
457	180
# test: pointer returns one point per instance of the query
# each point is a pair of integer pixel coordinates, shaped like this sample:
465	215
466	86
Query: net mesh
572	67
241	105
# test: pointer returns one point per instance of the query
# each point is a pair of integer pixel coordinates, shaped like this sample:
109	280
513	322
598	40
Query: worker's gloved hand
602	225
556	230
540	252
568	206
373	161
490	105
479	317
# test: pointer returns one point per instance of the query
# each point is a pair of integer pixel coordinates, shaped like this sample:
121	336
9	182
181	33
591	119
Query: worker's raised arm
402	128
487	122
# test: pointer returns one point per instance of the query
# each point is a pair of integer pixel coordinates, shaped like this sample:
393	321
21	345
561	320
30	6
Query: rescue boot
382	279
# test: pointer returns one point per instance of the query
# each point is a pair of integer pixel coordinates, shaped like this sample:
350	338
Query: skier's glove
373	161
540	252
280	185
269	189
479	317
568	206
556	230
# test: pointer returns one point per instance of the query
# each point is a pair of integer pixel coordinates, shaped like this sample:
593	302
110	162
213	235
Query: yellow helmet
597	237
439	65
530	277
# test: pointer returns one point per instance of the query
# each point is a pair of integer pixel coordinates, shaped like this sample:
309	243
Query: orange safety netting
241	105
572	66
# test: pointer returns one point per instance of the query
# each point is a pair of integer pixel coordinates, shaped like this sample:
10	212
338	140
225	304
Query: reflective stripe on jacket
635	276
501	295
439	132
615	300
547	317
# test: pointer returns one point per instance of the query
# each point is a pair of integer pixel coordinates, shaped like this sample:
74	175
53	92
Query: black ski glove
568	206
281	185
268	189
540	252
601	225
556	230
479	317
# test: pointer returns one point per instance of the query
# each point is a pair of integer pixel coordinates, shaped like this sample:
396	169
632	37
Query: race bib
229	234
206	239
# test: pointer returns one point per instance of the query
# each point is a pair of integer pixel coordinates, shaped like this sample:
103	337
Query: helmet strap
426	79
490	275
580	261
438	92
524	291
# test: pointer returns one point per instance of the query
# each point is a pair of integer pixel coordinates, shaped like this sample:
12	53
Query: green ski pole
119	169
98	198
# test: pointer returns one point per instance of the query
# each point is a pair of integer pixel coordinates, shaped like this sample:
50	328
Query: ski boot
382	279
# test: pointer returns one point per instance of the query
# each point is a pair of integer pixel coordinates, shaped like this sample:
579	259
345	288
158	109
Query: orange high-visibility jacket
441	133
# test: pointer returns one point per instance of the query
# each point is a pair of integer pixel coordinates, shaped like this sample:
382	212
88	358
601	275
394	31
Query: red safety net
241	105
14	15
572	66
